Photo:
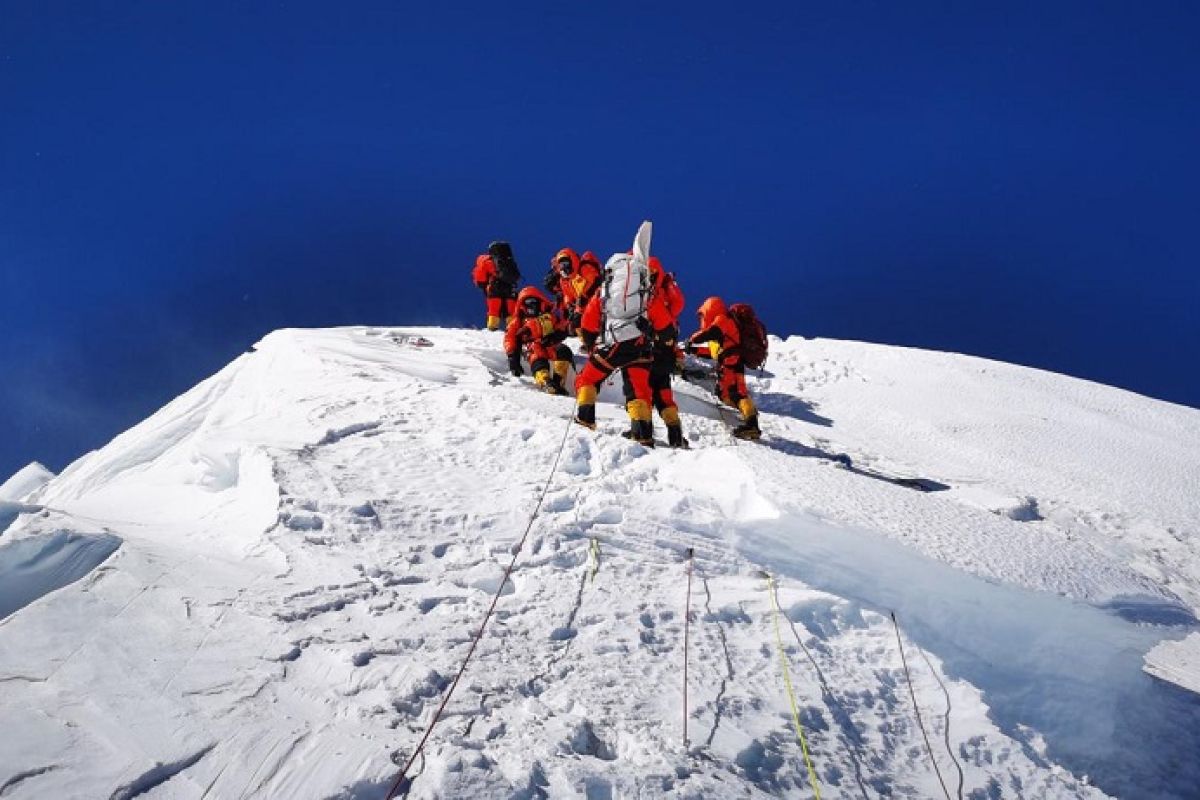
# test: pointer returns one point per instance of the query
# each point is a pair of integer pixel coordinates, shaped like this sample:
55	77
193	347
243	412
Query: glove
514	365
588	338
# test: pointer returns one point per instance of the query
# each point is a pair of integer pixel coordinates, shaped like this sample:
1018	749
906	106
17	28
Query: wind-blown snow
25	482
1177	661
308	539
37	565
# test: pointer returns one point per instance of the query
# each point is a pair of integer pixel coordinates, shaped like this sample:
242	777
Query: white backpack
626	290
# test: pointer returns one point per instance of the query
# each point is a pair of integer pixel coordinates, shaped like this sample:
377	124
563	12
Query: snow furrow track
160	774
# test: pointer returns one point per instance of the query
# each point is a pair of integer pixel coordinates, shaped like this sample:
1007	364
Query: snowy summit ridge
265	589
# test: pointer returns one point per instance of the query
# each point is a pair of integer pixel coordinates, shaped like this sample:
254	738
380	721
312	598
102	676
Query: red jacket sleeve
592	276
675	301
591	315
485	270
723	331
512	336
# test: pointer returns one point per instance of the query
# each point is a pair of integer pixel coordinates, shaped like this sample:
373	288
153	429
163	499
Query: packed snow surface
264	589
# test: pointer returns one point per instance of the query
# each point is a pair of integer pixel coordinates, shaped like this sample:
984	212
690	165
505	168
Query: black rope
946	729
830	698
401	780
920	722
687	618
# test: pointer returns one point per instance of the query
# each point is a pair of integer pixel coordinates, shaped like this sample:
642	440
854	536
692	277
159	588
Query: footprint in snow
302	522
613	515
559	503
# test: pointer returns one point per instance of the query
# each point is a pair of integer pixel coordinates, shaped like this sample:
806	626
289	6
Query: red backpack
753	335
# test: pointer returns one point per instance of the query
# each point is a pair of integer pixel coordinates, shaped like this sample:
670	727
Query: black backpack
753	335
506	265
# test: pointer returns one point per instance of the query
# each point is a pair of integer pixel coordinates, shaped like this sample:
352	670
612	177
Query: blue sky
1013	180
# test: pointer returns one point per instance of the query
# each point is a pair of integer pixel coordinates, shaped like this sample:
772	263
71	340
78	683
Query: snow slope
304	544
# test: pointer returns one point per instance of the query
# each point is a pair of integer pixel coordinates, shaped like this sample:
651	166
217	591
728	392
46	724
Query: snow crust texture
265	588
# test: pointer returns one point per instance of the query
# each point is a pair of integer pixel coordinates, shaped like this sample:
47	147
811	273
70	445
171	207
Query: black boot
675	437
555	386
645	432
641	432
586	416
748	429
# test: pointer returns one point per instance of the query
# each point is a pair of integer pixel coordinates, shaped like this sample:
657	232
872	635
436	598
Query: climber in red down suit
612	345
720	340
537	330
496	274
662	311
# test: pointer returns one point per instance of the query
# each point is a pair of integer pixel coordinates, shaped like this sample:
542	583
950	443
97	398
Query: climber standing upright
615	330
496	274
663	310
580	278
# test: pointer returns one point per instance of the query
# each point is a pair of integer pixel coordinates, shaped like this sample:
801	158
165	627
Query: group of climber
585	299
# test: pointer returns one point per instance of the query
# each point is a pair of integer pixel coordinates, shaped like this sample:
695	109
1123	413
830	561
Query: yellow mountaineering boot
749	427
670	415
641	428
557	382
585	414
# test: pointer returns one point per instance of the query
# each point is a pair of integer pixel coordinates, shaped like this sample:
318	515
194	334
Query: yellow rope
787	680
594	553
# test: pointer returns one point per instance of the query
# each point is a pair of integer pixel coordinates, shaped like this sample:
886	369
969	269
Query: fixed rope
946	727
920	722
594	557
687	618
402	778
791	693
832	701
